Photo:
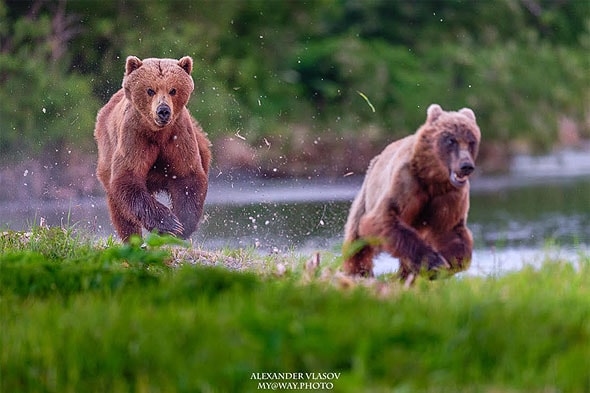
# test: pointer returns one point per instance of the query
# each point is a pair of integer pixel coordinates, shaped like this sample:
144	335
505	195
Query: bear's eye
173	92
151	93
451	141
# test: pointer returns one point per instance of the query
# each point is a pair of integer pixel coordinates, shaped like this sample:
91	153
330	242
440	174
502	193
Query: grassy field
77	316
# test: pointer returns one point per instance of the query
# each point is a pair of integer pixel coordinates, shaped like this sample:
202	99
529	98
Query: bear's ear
132	64
186	63
468	112
433	112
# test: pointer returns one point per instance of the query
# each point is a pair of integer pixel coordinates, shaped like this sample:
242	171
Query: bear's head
447	146
158	88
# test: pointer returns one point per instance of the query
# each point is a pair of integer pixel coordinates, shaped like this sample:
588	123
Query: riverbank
518	219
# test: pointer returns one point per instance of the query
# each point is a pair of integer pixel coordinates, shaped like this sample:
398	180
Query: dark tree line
333	68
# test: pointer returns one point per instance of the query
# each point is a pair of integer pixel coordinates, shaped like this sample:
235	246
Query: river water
516	220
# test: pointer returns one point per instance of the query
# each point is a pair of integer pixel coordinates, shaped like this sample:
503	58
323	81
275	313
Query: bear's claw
171	225
434	264
436	261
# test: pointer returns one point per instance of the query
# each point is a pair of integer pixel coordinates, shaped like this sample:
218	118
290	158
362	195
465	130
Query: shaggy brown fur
148	142
415	199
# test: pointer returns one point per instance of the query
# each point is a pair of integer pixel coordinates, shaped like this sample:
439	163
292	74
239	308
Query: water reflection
533	214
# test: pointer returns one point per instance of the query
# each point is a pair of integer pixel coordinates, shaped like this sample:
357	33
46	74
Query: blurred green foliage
265	67
84	318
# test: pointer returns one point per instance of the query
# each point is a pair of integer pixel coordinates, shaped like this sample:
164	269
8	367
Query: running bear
414	200
147	143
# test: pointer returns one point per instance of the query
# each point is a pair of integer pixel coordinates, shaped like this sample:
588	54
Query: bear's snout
466	168
163	112
461	172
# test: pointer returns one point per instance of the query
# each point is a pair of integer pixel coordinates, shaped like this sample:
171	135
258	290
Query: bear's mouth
160	123
458	180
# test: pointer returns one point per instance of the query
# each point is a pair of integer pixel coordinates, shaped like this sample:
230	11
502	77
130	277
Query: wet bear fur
148	143
414	200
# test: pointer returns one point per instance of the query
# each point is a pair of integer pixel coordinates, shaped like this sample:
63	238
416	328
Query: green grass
83	317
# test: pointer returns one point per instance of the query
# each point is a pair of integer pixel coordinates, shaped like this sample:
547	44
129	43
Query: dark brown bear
148	143
415	199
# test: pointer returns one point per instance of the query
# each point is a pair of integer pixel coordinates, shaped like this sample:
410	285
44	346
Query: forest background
298	88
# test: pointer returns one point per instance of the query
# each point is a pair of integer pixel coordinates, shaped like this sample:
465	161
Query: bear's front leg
456	246
124	224
403	242
188	197
133	199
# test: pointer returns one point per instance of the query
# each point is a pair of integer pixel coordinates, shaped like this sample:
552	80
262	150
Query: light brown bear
147	143
414	201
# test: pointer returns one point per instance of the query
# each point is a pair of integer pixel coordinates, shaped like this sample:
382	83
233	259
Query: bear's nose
466	168
163	112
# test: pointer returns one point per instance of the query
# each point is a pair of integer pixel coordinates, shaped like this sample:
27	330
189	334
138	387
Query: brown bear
414	200
148	143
